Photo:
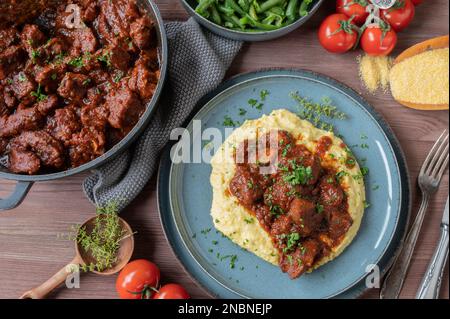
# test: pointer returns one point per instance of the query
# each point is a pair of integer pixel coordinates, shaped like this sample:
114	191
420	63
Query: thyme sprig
102	243
318	112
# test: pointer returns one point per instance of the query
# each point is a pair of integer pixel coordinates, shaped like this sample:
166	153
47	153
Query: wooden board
30	251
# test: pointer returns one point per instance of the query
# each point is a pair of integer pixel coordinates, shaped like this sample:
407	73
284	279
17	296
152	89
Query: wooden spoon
431	44
83	258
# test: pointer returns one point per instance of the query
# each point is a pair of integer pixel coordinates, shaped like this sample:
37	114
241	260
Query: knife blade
431	283
445	215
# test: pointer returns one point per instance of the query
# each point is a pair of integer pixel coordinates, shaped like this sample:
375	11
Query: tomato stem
145	293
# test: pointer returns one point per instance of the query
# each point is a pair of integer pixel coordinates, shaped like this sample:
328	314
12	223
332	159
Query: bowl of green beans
251	20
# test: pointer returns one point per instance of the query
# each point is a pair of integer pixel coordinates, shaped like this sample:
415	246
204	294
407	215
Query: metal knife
431	282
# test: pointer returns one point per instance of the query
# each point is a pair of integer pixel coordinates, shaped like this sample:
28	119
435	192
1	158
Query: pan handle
16	197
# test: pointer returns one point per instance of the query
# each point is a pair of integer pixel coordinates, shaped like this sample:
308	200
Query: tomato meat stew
68	93
300	203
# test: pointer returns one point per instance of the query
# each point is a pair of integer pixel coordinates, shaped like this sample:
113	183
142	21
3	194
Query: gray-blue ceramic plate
184	195
190	6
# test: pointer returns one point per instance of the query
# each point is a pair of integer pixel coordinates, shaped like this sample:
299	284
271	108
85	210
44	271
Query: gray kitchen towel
197	63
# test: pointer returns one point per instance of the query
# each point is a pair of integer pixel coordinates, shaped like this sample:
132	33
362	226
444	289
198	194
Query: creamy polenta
242	226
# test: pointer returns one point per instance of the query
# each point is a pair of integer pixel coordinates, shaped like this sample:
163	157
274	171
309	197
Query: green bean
249	20
276	10
244	4
225	10
268	4
303	11
215	14
292	10
273	17
252	13
232	4
234	20
203	6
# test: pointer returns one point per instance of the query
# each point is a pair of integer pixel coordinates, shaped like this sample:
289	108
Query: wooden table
30	251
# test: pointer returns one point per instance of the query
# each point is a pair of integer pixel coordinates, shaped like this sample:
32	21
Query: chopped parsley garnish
364	145
214	242
252	102
363	136
22	77
318	112
227	121
249	220
276	210
350	161
86	82
319	208
233	259
205	231
341	174
263	94
38	94
366	204
59	58
300	175
375	187
289	257
292	240
118	77
105	58
35	54
242	112
364	171
286	150
76	62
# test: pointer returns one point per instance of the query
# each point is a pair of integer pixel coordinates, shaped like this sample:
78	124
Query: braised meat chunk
63	124
10	60
22	86
8	37
31	145
70	90
86	146
73	87
25	119
125	108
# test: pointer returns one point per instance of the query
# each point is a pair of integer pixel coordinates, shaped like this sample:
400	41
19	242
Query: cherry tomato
171	291
337	33
353	8
416	2
138	280
400	15
378	40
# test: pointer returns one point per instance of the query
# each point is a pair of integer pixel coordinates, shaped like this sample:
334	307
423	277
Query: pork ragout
68	94
300	203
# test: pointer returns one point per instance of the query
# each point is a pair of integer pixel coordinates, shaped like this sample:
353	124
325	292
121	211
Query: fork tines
437	160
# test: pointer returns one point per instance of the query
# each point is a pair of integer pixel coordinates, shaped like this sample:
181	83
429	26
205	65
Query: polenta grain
423	78
374	72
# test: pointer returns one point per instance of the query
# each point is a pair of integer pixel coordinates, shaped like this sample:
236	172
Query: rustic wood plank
31	252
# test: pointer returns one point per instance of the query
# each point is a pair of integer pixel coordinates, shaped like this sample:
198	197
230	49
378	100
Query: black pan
24	182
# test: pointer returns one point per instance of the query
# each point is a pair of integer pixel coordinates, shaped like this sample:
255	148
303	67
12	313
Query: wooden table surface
30	251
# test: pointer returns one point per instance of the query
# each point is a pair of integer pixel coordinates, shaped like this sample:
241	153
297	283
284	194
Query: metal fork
429	178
